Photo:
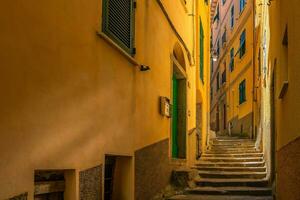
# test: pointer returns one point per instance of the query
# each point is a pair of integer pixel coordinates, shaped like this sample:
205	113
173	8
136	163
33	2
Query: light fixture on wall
214	56
144	68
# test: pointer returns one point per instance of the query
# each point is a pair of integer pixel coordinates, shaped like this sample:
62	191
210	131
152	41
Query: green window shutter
232	59
232	17
242	92
242	44
201	52
118	22
242	5
217	16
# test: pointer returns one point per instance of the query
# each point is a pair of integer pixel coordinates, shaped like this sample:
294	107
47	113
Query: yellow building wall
285	69
243	67
69	96
203	87
280	116
284	66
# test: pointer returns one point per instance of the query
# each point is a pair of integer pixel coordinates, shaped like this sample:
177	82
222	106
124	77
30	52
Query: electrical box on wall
165	107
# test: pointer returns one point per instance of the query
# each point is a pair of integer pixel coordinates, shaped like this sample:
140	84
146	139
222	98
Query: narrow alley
150	100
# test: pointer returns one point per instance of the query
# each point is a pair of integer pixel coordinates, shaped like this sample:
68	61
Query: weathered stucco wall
69	97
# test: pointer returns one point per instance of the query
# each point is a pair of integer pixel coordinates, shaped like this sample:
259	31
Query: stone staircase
230	169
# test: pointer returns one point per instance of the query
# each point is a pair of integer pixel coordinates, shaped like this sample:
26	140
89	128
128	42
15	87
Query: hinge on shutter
134	4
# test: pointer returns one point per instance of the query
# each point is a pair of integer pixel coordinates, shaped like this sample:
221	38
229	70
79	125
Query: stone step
234	145
218	197
232	169
233	182
231	148
234	155
250	191
230	164
224	174
229	159
232	142
237	151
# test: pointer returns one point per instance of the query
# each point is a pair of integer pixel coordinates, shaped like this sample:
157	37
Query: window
201	52
259	62
242	91
223	2
217	16
242	5
218	81
118	23
224	74
243	44
231	66
218	47
224	37
206	1
224	77
232	17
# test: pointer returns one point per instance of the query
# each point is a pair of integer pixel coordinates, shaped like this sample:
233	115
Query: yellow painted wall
69	97
203	87
280	129
287	69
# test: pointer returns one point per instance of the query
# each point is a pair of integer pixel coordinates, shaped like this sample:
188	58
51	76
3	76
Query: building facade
232	73
98	97
277	52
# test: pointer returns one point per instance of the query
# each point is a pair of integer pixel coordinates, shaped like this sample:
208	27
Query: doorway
224	118
218	120
179	117
198	130
179	104
118	177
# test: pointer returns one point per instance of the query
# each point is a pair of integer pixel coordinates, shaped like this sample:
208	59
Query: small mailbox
165	107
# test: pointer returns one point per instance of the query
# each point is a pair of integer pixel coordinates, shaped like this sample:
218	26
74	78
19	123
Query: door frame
183	74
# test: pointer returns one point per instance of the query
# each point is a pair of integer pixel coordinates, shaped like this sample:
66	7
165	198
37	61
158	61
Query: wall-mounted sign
165	107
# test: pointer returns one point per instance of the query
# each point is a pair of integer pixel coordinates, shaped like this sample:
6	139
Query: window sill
117	47
243	56
243	103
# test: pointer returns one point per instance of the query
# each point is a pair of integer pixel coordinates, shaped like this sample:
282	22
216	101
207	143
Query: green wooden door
175	119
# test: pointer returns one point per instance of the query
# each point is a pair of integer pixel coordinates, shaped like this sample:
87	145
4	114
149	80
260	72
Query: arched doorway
179	102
